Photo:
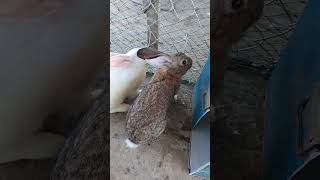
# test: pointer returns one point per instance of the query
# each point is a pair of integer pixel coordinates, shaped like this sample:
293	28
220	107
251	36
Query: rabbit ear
149	53
154	57
119	61
159	61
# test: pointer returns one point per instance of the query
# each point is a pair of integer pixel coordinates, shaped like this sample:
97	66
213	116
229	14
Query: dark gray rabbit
146	118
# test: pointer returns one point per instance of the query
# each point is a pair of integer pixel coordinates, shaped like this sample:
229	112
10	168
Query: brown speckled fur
146	118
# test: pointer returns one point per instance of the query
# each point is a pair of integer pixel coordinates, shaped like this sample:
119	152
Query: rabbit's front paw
120	108
135	94
175	98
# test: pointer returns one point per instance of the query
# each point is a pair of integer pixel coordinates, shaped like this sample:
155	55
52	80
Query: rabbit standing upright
127	72
146	118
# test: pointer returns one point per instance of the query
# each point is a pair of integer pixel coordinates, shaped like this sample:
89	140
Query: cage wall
183	26
263	43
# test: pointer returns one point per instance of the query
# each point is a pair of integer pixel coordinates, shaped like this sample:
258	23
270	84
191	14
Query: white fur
124	82
130	144
176	97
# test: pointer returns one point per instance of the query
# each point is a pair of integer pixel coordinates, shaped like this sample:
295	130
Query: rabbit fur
146	118
127	73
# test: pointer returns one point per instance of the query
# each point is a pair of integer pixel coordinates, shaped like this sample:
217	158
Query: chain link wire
173	25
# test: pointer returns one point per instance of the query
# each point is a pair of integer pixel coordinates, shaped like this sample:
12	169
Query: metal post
152	8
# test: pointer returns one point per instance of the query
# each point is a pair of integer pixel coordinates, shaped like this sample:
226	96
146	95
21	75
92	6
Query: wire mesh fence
169	25
261	46
184	25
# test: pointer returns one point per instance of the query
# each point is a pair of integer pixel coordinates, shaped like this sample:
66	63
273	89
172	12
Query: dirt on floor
165	159
237	136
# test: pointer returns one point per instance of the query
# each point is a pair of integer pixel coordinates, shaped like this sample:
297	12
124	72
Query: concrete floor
164	159
238	138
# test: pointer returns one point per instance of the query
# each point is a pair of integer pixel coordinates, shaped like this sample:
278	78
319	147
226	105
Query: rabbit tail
130	144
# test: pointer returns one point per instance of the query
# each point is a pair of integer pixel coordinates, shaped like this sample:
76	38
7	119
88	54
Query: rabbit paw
132	96
175	97
120	108
136	93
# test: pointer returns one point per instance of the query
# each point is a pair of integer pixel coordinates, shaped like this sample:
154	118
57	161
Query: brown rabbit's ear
149	53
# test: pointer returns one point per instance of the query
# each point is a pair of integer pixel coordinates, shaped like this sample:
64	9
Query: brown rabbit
146	118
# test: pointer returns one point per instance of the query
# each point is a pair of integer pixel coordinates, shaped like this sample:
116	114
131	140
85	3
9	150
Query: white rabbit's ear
154	57
149	53
159	61
119	61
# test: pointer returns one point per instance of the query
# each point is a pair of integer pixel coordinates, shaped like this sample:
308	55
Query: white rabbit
127	73
50	50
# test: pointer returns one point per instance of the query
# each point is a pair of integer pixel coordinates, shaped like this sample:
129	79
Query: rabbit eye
184	62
